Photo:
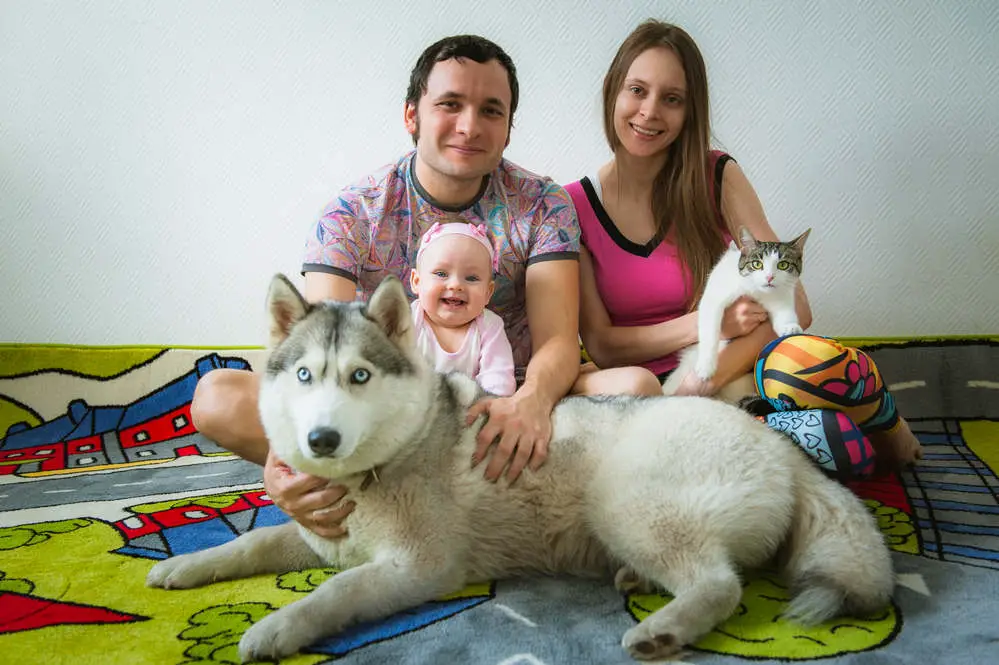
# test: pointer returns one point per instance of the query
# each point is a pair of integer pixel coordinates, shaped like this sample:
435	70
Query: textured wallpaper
160	161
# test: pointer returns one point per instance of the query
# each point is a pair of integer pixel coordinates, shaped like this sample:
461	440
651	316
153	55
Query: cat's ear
799	242
746	239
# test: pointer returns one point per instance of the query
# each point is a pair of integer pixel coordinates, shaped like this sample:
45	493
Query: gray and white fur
680	492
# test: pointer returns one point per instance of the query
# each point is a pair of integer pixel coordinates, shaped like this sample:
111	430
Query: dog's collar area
371	475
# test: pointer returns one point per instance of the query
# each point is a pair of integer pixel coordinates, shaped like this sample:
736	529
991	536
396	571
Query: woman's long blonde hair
681	197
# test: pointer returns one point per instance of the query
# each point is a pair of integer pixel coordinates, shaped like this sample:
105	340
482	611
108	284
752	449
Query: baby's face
453	280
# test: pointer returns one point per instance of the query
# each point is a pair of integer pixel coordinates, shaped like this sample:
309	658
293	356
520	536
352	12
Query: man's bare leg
225	410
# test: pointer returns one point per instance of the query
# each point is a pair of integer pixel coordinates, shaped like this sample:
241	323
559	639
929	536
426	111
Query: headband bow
476	232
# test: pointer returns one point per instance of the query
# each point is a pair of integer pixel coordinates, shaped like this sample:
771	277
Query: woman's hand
309	500
742	317
693	385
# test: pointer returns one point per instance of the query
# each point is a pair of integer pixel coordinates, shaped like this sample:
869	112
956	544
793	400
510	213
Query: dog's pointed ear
286	307
389	308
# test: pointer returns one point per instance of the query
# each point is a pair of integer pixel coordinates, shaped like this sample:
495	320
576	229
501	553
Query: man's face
461	122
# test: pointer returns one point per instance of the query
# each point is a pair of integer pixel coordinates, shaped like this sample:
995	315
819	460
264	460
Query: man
459	109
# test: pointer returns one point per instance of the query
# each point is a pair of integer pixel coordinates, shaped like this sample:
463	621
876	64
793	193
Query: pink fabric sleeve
495	357
584	211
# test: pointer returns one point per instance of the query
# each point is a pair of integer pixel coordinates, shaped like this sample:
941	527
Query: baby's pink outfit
485	354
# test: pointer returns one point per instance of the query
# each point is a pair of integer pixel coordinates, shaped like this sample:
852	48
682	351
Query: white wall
160	160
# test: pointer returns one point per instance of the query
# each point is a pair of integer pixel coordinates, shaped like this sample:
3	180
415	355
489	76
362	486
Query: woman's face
652	104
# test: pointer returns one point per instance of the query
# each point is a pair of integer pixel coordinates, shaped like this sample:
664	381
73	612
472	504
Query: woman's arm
740	206
616	346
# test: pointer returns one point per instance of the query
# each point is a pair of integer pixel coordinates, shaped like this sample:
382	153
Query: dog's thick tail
836	558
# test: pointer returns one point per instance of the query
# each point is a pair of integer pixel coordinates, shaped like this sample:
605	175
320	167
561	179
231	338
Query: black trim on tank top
646	250
615	234
723	159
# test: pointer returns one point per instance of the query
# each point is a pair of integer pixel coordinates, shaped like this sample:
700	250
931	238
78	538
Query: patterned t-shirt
373	229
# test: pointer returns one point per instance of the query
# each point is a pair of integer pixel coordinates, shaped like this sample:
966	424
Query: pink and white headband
474	231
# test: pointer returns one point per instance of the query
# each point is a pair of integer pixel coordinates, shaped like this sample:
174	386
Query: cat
767	272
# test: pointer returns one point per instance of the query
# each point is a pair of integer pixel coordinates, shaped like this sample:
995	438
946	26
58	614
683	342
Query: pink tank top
639	284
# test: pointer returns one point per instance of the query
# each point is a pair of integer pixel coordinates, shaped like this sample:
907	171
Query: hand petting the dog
518	428
309	500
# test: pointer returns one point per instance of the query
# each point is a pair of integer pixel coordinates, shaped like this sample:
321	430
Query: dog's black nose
324	441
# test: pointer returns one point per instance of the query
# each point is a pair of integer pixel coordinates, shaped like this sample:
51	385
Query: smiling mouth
453	302
646	132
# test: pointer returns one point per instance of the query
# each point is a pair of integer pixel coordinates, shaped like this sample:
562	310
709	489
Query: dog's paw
789	329
281	633
179	572
628	581
641	644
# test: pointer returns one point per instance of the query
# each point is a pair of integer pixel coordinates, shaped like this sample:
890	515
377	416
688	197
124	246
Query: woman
654	220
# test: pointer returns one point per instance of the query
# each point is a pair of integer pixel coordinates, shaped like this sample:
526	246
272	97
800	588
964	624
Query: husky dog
679	493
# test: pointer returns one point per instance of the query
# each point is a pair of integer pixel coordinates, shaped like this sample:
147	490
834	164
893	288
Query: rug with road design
102	474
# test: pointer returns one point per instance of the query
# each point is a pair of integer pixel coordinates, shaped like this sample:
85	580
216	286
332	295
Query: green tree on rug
216	631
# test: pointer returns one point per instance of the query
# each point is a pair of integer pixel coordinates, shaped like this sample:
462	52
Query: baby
453	281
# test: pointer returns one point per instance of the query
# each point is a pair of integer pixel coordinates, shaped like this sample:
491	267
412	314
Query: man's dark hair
473	47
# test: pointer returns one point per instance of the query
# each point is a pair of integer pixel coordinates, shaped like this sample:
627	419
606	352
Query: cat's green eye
756	265
783	265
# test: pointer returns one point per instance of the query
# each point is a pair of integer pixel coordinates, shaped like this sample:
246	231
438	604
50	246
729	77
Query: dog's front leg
371	591
270	549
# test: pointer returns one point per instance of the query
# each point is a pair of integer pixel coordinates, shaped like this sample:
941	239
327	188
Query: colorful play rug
102	474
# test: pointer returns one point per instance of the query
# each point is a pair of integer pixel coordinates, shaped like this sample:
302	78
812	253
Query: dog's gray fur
681	492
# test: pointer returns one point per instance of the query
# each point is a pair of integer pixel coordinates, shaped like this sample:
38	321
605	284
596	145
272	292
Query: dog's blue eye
304	375
360	376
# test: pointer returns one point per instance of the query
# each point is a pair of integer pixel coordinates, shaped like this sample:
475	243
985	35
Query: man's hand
742	317
519	427
309	500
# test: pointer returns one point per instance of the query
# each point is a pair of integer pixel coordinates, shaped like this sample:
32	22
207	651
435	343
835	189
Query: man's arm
310	500
553	319
321	286
522	422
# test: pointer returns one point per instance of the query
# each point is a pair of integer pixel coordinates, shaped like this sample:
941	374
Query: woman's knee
644	382
618	381
805	371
